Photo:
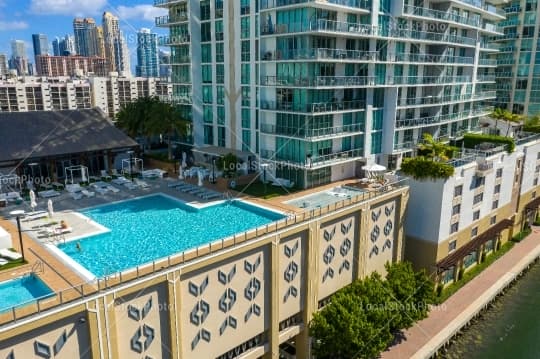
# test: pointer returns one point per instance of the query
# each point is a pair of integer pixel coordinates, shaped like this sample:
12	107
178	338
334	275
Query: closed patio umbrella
33	202
50	208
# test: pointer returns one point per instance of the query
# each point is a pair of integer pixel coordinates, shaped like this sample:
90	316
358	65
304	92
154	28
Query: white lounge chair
6	253
73	188
3	262
130	185
48	193
32	216
88	193
76	195
105	175
141	184
101	190
120	180
113	189
176	184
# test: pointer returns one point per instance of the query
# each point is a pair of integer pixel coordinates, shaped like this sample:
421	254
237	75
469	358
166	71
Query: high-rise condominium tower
318	90
19	59
87	41
147	54
116	50
41	44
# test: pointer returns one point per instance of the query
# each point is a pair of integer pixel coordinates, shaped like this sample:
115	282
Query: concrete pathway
446	319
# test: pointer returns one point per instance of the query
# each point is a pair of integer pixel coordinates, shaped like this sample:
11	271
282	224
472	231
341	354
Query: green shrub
421	168
470	140
440	288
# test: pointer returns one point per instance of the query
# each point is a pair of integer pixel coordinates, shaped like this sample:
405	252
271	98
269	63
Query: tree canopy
362	319
149	116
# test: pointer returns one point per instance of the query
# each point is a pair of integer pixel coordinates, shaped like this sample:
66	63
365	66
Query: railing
316	107
103	286
314	161
180	59
364	30
174	40
430	120
331	81
165	3
312	132
487	62
177	99
482	4
440	15
485	78
526	137
433	100
166	20
357	4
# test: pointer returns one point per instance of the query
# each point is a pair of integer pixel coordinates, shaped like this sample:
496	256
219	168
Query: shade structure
184	159
33	202
374	168
50	208
200	176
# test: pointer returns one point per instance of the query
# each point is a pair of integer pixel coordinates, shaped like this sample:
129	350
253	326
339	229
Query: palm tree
435	150
166	120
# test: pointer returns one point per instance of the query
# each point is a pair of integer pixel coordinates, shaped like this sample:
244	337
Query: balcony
164	21
355	4
313	133
316	161
482	4
362	30
317	107
485	78
440	15
487	62
319	81
483	168
432	120
177	99
167	3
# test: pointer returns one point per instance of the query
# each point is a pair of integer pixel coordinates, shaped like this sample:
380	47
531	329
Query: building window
476	215
495	205
478	198
474	232
478	182
454	227
499	172
452	246
448	275
497	189
535	181
493	220
458	190
456	209
469	259
538	156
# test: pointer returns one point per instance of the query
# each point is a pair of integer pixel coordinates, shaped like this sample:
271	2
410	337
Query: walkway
447	318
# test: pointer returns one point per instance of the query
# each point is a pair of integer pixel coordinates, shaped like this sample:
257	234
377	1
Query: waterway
509	329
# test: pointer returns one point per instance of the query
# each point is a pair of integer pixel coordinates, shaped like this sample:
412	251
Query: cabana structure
76	174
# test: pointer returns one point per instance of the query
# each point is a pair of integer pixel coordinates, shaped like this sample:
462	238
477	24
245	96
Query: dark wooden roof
38	134
461	252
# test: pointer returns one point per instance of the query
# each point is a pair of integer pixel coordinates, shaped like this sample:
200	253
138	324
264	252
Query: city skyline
53	20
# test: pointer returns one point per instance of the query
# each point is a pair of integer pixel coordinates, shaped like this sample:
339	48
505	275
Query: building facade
518	71
148	64
321	89
245	297
68	93
53	66
3	65
491	196
88	41
19	59
40	43
116	50
64	46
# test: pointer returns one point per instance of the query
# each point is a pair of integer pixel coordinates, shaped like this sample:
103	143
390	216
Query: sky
19	19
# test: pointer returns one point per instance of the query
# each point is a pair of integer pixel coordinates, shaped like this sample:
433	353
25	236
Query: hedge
421	168
470	140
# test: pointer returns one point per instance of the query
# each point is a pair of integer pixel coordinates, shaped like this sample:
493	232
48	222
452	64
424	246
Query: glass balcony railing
174	40
357	4
358	55
185	59
353	81
317	107
321	25
441	100
440	15
177	99
315	160
485	78
434	120
487	62
167	20
312	132
167	3
482	4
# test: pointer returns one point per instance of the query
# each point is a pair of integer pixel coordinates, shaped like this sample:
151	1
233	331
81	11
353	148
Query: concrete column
362	242
94	318
173	291
273	353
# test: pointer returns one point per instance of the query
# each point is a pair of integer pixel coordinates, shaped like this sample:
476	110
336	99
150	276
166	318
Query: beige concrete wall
382	238
226	304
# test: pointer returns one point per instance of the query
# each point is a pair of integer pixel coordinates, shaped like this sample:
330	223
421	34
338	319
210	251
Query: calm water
510	329
153	227
22	290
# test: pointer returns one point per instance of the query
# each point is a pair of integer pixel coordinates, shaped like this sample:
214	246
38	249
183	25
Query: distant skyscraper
56	46
18	60
3	65
116	50
86	37
164	64
147	54
41	44
67	46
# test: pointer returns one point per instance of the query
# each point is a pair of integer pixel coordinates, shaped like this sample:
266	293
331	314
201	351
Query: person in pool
78	245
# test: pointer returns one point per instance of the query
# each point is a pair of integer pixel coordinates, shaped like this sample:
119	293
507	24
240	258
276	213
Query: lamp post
18	214
264	167
213	170
130	153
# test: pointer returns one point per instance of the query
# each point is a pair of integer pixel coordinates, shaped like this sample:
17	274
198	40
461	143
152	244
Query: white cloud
12	25
139	12
67	7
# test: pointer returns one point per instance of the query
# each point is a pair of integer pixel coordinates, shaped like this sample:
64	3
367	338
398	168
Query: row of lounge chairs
201	192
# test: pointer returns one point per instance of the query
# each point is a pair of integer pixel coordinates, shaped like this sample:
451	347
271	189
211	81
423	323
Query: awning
459	254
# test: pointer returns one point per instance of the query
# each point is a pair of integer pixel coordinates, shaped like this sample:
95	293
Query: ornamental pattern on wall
200	312
291	271
387	225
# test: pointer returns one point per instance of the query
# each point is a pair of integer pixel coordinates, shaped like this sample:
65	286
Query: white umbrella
33	203
374	168
200	175
83	176
184	158
181	172
50	208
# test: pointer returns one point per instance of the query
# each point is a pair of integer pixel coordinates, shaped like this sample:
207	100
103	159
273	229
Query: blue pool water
153	227
22	290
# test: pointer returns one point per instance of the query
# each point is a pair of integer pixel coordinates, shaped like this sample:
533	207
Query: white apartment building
490	197
63	93
321	88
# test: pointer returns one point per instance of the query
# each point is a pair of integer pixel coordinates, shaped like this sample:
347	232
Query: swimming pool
156	226
21	291
325	198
